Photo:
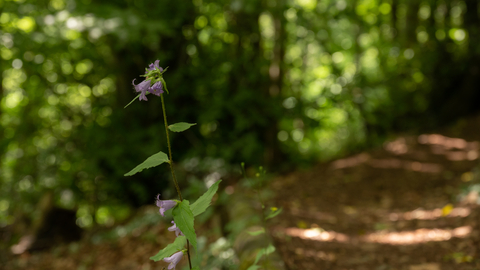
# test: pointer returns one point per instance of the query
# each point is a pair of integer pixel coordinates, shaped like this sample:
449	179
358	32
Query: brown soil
410	205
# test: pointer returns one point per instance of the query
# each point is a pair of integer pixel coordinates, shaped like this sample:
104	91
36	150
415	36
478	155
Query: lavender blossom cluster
153	82
164	206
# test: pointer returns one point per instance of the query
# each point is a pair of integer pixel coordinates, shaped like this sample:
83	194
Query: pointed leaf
179	127
176	246
203	202
274	214
183	217
254	233
132	101
152	161
264	251
259	256
269	249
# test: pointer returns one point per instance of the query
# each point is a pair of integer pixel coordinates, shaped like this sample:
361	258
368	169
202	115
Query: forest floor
409	205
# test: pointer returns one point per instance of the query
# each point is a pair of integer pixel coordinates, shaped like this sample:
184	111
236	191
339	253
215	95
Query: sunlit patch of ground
417	236
390	163
431	214
317	235
392	238
455	149
412	205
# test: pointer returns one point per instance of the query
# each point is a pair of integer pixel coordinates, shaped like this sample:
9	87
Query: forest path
411	205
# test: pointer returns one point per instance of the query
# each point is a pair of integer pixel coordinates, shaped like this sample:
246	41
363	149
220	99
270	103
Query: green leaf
152	161
203	202
179	127
183	217
274	214
264	251
259	255
176	246
132	101
269	249
196	268
262	230
253	267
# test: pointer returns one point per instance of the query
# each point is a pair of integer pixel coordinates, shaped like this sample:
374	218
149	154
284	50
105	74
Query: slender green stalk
170	150
173	172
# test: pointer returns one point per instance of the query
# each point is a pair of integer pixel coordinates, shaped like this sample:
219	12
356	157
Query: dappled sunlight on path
417	236
409	205
431	214
392	238
317	235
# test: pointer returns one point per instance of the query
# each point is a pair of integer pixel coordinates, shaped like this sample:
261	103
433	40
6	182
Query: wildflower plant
265	215
183	212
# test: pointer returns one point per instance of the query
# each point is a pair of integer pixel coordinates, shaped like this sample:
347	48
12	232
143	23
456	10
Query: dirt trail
410	205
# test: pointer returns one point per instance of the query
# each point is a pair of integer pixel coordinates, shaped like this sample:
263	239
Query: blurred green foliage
268	82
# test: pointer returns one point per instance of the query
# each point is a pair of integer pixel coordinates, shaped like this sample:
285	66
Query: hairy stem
173	172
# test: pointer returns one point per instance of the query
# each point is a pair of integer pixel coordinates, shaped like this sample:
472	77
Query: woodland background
280	84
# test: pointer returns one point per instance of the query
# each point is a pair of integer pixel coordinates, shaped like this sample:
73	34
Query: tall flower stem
173	172
170	150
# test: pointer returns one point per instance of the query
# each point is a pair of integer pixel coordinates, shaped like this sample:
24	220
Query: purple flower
175	229
174	259
142	87
153	82
164	204
155	66
156	88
